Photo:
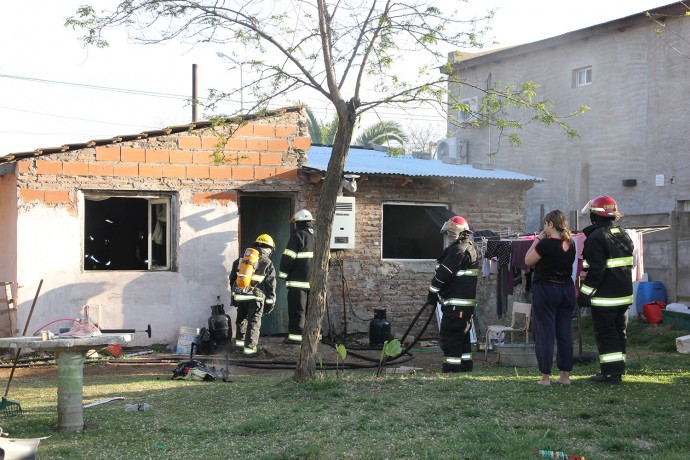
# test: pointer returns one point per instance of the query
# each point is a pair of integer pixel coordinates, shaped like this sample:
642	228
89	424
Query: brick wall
263	155
401	286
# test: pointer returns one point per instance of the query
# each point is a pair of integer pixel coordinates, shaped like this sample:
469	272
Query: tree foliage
360	56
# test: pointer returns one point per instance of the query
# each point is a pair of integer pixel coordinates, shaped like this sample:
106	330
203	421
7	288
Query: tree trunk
306	365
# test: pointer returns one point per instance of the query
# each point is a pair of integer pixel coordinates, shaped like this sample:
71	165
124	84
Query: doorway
268	214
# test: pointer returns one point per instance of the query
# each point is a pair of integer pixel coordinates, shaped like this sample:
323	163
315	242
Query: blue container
649	291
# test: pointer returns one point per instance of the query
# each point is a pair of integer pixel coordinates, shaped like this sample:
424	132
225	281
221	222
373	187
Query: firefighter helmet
302	216
602	206
456	225
266	240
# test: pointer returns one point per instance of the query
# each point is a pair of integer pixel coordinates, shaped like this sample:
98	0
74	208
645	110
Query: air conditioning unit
473	105
452	150
343	231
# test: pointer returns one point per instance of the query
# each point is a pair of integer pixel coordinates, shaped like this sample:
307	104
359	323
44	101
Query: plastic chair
520	310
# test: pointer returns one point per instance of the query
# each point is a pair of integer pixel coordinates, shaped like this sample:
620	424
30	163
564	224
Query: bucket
517	354
186	337
647	292
652	312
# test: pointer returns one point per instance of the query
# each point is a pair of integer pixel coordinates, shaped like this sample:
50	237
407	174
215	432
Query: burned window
412	231
126	233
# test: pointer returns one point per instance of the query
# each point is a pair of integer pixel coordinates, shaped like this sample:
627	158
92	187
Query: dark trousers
249	322
297	300
552	319
610	324
454	337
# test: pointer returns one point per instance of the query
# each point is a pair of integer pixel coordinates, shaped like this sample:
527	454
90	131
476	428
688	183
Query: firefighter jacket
263	284
455	280
608	260
296	262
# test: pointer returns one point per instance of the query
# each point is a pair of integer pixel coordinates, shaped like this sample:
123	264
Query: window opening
583	77
413	231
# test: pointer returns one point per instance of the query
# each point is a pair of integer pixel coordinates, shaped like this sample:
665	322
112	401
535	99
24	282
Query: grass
495	412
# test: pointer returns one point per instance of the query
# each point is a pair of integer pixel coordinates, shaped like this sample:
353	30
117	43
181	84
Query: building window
412	231
582	77
127	232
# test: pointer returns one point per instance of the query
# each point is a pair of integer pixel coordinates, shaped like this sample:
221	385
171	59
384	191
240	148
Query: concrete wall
636	127
261	156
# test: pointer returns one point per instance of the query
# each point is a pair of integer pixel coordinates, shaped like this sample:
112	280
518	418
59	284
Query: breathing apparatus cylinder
379	329
246	268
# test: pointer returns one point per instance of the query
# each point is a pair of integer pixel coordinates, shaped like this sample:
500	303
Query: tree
360	56
383	133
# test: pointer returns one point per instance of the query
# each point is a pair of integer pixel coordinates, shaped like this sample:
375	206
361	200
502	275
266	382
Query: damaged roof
368	161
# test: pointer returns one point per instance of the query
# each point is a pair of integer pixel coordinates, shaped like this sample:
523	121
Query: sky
54	91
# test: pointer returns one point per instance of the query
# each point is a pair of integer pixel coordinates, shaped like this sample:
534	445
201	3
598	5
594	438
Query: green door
271	215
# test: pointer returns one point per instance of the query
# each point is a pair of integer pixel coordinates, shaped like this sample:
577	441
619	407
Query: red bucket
652	311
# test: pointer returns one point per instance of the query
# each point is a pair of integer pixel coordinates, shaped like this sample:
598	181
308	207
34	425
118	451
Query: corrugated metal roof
367	161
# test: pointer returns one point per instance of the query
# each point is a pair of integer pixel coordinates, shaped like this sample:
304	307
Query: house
144	228
633	141
386	231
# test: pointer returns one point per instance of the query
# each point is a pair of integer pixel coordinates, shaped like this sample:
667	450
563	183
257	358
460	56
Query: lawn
495	412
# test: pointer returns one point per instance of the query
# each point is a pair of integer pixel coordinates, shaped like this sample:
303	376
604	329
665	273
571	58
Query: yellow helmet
265	239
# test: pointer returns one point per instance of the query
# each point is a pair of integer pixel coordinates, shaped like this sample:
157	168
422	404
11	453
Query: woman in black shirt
553	296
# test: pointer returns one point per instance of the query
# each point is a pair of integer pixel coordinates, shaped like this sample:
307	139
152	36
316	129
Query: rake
11	408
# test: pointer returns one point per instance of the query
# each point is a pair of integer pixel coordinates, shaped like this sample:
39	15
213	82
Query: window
412	231
582	77
127	232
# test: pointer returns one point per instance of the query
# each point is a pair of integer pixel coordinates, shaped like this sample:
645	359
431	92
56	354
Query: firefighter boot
614	379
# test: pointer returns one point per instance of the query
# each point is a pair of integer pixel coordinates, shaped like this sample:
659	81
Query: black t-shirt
556	264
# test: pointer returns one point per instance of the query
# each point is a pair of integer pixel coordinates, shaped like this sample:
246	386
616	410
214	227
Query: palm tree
381	133
321	133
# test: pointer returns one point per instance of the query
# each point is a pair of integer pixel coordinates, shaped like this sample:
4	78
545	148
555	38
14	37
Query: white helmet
302	216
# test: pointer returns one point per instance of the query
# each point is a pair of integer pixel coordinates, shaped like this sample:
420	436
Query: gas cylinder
219	323
379	329
246	268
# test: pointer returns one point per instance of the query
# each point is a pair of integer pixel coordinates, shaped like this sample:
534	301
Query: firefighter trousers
610	324
454	338
297	300
248	323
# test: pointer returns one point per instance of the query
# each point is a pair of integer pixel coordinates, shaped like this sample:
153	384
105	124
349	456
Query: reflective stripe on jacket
296	261
455	280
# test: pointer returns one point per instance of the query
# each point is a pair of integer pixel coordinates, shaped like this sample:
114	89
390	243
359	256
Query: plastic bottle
137	407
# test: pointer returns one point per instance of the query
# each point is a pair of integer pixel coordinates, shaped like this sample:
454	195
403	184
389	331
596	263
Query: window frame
408	203
153	198
587	71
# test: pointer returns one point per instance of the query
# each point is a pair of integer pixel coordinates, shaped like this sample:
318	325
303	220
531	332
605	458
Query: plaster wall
8	229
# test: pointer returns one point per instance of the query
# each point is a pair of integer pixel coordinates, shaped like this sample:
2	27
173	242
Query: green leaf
392	348
342	351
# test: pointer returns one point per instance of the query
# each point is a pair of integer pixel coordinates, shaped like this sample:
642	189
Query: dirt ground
275	358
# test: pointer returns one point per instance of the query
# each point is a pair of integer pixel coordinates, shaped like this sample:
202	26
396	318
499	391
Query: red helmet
602	206
457	225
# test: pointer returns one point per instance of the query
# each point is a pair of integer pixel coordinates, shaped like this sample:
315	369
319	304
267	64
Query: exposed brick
264	172
57	196
75	169
180	156
201	198
243	172
148	170
100	169
24	166
133	154
284	173
264	131
207	197
174	171
277	145
31	195
126	169
244	130
157	155
48	167
197	171
235	143
301	143
210	143
247	158
257	144
285	130
267	159
220	172
203	157
104	153
189	142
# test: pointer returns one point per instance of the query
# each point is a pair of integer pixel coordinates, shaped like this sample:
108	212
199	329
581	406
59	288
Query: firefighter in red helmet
607	287
454	286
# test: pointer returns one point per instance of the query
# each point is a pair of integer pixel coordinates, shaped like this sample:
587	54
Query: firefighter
454	286
258	298
295	270
607	287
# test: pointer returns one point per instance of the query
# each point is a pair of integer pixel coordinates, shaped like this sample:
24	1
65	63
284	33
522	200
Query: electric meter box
343	231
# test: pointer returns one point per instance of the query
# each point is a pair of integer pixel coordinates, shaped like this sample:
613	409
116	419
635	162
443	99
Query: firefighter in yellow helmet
295	270
253	285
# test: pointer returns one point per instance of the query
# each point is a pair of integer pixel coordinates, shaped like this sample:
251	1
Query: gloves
584	301
432	297
268	310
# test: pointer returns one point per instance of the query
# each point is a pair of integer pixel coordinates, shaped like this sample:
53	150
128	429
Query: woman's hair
560	223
